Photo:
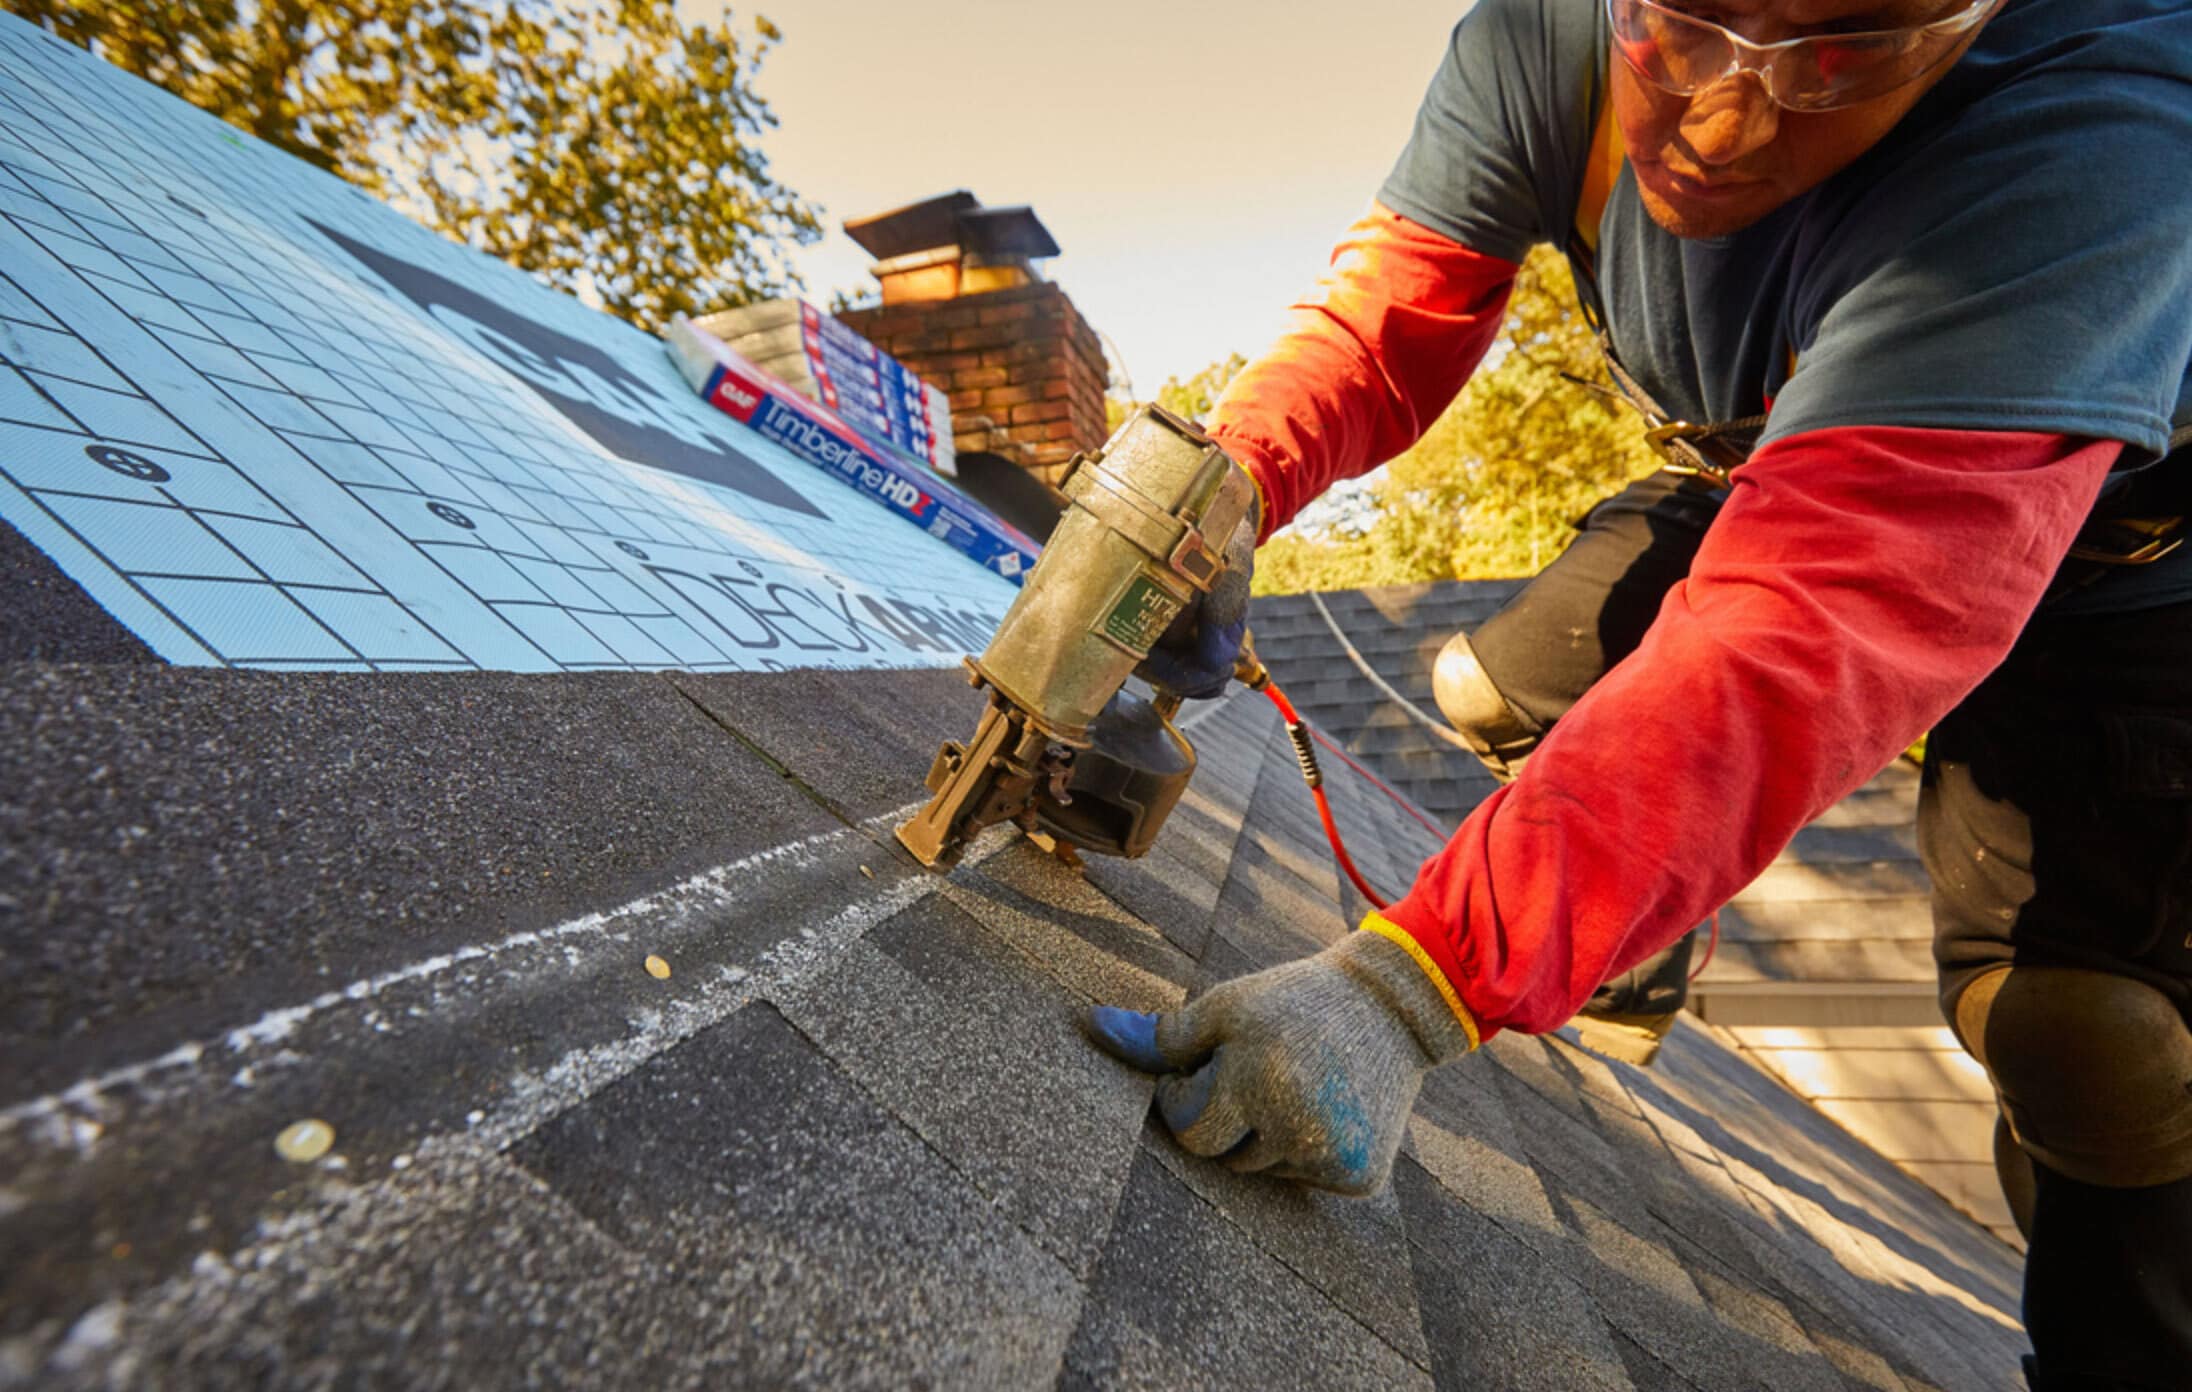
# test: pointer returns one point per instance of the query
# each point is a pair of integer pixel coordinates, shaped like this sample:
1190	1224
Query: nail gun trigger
1058	764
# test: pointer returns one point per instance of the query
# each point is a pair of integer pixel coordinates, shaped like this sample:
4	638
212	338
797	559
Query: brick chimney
965	307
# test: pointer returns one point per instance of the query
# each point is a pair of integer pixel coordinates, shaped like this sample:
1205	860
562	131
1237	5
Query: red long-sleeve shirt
1856	585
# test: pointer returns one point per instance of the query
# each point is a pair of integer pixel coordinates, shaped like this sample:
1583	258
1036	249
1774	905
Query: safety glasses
1682	54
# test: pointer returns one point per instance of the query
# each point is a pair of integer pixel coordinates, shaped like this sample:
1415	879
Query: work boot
1629	1016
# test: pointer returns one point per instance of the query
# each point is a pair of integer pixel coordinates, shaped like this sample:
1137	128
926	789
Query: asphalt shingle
1353	1250
179	845
853	1253
855	1138
49	618
1498	1312
1186	1299
973	1045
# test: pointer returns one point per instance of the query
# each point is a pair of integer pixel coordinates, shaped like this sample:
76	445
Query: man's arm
1371	358
1858	583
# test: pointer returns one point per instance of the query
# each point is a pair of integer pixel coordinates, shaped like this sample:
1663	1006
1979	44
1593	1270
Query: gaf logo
736	398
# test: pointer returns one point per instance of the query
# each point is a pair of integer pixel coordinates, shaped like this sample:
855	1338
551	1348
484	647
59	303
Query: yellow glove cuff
1401	938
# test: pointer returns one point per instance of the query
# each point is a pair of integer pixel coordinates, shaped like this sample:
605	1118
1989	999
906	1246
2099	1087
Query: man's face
1718	160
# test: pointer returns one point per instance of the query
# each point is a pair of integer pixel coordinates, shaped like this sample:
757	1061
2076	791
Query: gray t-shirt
2015	255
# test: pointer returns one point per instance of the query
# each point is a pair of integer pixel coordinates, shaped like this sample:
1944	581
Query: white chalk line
82	1098
529	1100
532	1099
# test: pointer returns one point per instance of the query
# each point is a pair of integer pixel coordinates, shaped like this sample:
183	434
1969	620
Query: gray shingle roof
854	1138
1398	630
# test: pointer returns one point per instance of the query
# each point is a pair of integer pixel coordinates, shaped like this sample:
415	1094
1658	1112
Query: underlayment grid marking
218	417
197	522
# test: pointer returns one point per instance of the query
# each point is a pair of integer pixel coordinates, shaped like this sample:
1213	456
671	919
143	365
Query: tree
1191	398
1194	397
601	144
1494	486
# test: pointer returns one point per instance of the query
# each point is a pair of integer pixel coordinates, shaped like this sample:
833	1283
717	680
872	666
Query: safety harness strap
1710	450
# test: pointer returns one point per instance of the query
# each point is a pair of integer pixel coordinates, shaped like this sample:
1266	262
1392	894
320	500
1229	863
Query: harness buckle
1675	443
2128	541
2156	549
1668	432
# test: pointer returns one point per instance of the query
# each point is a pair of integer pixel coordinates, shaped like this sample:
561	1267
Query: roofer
1923	270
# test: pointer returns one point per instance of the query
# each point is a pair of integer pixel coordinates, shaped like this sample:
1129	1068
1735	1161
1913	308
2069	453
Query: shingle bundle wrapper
727	380
828	362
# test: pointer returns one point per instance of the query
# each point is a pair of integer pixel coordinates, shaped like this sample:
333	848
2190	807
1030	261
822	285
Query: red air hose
1305	754
1712	945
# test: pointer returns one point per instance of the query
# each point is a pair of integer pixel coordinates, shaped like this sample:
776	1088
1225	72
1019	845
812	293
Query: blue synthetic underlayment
268	422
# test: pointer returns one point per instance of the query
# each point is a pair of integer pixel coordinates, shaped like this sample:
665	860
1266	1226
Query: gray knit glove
1307	1070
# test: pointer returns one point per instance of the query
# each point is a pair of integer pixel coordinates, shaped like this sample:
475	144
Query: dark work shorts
2056	816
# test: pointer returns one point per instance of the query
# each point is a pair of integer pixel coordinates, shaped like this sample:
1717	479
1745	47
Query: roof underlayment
842	1132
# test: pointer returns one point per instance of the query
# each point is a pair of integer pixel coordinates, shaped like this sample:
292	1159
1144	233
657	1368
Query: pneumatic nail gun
1064	749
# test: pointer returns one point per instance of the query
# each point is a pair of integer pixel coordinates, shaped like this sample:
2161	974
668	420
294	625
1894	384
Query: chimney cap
952	219
1006	232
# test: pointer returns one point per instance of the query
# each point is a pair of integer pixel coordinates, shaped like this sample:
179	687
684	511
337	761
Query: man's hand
1307	1071
1195	657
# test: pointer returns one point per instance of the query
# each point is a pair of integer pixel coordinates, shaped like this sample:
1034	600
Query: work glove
1195	657
1306	1071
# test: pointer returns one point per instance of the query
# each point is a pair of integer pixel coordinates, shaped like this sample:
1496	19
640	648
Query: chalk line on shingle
73	1117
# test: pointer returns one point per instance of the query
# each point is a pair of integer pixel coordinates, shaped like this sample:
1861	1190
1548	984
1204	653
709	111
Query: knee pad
1501	735
2094	1071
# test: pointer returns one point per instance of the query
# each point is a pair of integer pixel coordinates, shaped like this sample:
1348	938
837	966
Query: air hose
1305	740
1305	754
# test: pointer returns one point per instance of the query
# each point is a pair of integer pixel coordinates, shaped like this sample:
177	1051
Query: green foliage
1116	410
1494	486
1194	397
601	144
1191	398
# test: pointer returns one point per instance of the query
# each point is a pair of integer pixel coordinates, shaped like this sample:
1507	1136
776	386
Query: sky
1195	159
